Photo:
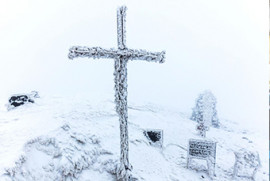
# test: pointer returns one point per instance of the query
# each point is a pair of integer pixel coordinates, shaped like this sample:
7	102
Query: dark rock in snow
154	136
21	99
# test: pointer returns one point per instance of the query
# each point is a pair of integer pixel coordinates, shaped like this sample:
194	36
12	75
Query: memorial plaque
202	149
155	136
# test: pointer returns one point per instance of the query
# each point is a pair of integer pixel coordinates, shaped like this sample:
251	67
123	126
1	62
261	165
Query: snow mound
62	155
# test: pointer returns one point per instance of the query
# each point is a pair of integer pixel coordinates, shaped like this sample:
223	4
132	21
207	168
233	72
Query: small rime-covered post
121	55
202	128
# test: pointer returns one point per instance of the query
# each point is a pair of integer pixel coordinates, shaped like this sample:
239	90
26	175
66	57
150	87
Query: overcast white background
217	45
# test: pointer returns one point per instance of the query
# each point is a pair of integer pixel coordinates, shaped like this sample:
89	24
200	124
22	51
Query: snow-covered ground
78	139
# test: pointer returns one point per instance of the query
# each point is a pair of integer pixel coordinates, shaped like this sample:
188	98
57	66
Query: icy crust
130	54
62	156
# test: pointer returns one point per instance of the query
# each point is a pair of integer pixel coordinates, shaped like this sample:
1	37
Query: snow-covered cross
121	57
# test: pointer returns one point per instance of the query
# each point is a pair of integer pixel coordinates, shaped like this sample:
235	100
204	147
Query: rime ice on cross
121	57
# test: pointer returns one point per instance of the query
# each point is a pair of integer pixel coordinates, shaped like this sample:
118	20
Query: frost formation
246	160
121	57
63	156
205	112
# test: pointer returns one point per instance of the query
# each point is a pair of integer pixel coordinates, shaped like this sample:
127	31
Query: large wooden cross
121	57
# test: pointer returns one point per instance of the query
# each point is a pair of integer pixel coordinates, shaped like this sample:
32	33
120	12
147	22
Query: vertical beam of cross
121	27
121	57
120	73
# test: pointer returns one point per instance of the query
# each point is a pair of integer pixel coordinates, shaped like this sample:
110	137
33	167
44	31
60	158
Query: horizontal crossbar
130	54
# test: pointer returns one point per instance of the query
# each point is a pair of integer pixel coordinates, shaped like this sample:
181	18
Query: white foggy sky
216	45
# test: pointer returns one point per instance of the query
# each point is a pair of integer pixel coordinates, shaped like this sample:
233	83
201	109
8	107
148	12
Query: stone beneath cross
155	137
121	57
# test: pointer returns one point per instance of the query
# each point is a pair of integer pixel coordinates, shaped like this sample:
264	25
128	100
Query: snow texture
61	159
121	56
205	109
77	138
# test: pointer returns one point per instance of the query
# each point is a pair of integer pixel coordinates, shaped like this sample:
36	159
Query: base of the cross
124	174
